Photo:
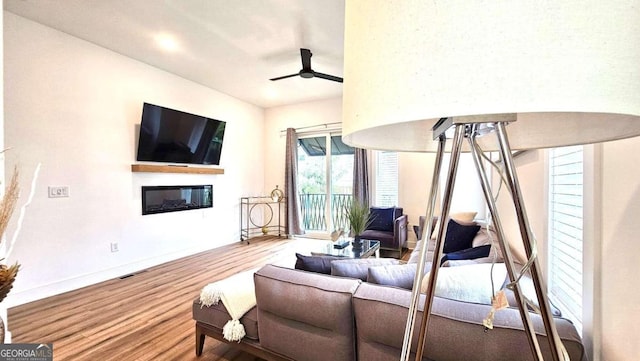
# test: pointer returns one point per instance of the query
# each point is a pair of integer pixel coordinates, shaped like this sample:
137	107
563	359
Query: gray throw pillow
318	264
358	268
401	275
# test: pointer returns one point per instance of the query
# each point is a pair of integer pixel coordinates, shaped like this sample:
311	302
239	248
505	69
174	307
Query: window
566	199
324	182
386	179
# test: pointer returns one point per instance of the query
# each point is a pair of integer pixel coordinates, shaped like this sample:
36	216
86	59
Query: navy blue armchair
389	226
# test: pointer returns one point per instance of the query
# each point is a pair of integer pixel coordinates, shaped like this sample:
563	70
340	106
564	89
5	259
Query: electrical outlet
114	246
58	192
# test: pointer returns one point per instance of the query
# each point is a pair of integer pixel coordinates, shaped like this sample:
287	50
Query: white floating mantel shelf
149	168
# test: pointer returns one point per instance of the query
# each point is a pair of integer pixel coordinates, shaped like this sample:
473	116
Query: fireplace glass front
161	199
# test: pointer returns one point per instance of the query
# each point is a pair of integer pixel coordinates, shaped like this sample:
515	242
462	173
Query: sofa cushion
358	268
218	316
318	264
529	291
455	329
487	235
459	236
472	283
305	315
381	219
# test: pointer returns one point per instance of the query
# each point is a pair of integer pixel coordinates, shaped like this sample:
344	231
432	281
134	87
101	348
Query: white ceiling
233	46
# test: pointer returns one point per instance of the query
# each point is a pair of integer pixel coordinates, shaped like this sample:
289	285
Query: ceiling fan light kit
306	71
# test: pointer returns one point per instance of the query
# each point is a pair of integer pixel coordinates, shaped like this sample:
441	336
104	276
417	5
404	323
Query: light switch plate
58	191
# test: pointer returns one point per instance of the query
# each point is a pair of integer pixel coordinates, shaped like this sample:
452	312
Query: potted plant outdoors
358	217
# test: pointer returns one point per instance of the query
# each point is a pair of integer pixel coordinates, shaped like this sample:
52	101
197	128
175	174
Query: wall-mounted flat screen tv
172	136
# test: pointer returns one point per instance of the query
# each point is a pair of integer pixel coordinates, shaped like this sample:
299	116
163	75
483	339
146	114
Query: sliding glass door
325	181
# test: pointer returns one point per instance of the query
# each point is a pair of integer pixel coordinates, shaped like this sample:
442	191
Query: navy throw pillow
459	236
318	264
469	253
381	219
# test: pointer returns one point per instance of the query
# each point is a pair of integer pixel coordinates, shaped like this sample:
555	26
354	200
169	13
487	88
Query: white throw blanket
238	295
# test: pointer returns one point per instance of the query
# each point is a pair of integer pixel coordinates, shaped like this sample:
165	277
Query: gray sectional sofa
303	315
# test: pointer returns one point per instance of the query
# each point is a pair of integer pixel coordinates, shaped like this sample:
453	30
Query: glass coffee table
369	248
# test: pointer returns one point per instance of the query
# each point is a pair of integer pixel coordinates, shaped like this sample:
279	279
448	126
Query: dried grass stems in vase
9	201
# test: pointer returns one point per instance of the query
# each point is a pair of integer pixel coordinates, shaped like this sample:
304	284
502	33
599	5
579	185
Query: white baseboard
74	283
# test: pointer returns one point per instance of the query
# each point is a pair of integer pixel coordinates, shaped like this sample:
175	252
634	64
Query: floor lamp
503	76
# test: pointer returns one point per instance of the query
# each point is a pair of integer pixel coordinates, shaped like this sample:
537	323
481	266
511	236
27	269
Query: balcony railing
313	211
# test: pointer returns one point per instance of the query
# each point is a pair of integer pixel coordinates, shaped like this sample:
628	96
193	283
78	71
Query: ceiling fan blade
305	54
284	77
327	76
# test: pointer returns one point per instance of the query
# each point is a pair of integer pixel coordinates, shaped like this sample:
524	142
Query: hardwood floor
146	316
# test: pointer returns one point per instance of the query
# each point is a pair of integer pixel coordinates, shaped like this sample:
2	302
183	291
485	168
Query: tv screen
172	136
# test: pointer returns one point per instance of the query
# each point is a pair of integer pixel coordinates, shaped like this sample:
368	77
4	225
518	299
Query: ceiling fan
306	71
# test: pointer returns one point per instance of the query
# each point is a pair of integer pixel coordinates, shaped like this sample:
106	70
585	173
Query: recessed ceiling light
270	93
167	42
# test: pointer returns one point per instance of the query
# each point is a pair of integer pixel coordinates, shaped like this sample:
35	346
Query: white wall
531	175
74	108
2	94
620	250
415	172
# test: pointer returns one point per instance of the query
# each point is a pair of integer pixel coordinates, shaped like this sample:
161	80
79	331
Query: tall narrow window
386	179
566	195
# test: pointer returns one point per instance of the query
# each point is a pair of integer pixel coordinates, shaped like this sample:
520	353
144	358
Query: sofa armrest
400	230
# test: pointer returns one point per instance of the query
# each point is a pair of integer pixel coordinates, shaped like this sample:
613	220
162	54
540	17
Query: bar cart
261	215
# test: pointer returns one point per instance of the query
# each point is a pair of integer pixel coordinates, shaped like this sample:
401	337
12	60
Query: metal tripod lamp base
469	128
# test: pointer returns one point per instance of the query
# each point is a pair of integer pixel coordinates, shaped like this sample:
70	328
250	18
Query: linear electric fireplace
161	199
